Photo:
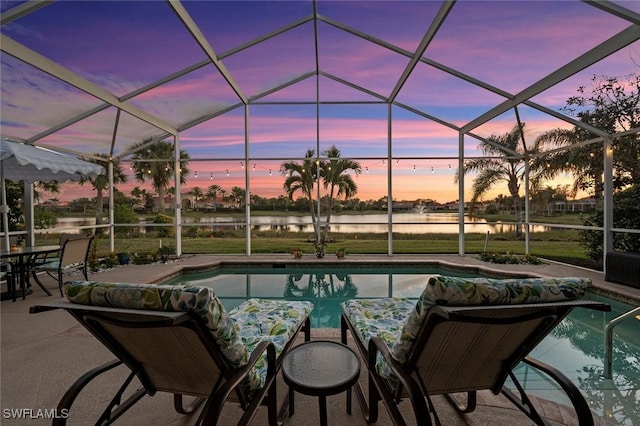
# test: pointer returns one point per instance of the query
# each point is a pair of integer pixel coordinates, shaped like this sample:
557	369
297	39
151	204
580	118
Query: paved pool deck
43	354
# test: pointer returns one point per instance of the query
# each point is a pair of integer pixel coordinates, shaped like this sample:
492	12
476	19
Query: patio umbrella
19	161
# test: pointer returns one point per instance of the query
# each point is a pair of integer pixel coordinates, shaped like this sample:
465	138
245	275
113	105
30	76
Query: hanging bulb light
449	166
254	167
211	176
414	167
227	172
269	172
367	169
242	164
432	171
195	174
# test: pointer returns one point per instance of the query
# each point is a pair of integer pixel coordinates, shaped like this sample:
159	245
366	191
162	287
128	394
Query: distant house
582	205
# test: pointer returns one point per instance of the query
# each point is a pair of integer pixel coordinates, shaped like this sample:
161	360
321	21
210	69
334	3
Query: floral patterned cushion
398	321
237	333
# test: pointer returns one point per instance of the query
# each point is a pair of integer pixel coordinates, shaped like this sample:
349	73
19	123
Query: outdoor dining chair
53	256
181	340
74	256
462	335
7	274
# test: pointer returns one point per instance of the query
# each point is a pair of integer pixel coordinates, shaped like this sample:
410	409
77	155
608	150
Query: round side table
320	368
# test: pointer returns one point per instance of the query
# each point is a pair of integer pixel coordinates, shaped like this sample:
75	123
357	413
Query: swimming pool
575	347
326	287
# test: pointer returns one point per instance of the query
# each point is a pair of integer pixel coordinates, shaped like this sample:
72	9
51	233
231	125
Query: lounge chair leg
272	405
284	412
116	408
60	283
34	274
463	408
181	408
369	410
72	393
307	330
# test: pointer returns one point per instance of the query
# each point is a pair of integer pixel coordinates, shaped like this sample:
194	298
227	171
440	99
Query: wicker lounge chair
181	340
461	336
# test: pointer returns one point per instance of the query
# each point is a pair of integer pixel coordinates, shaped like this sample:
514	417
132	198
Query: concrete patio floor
43	354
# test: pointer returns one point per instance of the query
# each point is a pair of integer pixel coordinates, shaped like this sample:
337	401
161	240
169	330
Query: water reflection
326	291
407	223
576	347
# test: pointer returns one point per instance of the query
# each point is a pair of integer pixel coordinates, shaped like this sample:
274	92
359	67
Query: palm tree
101	183
500	165
584	163
156	163
238	195
212	192
302	177
137	193
335	176
198	195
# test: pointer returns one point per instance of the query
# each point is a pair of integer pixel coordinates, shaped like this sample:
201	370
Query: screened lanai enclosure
385	127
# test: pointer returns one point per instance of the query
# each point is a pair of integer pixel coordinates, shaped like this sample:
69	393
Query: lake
408	223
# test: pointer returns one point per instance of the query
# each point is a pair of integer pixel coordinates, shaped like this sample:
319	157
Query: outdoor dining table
20	257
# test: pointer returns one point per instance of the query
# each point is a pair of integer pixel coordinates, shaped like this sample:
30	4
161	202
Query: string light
254	167
211	176
195	174
227	172
242	165
432	170
414	167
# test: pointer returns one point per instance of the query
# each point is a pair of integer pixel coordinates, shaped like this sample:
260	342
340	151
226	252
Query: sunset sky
121	47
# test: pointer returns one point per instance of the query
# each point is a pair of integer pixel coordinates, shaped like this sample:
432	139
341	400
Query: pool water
575	347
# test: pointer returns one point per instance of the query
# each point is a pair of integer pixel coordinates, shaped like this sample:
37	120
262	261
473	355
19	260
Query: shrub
509	258
626	214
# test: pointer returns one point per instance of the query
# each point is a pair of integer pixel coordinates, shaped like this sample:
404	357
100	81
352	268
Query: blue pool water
575	347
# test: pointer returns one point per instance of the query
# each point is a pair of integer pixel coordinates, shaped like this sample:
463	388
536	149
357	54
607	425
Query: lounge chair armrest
263	346
376	344
212	407
577	400
271	357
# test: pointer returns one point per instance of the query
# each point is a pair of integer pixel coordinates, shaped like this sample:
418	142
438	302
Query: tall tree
198	195
101	183
500	165
238	195
302	177
212	193
336	177
156	163
613	106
